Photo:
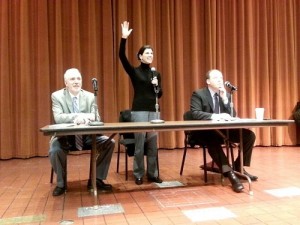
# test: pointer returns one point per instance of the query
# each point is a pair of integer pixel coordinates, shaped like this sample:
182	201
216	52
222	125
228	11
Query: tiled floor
26	194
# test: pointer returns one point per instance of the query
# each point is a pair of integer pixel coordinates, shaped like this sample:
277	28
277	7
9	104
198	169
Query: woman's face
147	56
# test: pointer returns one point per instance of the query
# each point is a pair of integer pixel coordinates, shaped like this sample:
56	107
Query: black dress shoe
155	179
58	191
252	177
100	185
237	186
138	181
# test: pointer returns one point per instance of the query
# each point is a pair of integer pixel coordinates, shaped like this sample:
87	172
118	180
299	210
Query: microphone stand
241	153
96	122
157	120
231	103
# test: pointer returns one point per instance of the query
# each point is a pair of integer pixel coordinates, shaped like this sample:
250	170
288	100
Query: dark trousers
213	140
60	147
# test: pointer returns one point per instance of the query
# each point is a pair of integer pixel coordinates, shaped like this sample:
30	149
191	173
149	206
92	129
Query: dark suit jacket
202	105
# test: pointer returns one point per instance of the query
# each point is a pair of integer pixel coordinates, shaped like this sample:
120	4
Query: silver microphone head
153	69
229	85
95	84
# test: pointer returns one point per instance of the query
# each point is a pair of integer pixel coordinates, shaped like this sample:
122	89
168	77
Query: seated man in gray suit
74	105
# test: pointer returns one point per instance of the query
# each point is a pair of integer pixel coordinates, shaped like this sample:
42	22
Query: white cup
259	113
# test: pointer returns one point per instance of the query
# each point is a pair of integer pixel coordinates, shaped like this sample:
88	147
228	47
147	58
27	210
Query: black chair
189	141
296	116
127	140
296	113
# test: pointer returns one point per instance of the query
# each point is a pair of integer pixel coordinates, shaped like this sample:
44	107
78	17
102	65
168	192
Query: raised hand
125	29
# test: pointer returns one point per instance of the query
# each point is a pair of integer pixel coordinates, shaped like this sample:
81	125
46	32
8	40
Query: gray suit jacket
62	106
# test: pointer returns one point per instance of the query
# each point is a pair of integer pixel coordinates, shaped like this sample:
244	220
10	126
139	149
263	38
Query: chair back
128	138
296	113
189	134
125	116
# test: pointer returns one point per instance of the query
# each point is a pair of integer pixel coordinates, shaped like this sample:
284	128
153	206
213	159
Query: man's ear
207	81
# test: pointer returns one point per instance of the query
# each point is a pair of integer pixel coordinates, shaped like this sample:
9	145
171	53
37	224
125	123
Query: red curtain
255	43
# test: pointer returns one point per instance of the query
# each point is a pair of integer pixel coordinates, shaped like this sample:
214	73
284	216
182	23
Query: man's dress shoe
237	186
100	185
58	191
155	179
252	177
139	181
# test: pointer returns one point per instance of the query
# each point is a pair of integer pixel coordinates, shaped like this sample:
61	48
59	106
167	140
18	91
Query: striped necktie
78	138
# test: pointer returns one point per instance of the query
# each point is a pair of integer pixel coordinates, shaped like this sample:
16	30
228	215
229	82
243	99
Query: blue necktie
78	138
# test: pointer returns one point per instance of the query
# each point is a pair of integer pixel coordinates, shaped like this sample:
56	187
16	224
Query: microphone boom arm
231	103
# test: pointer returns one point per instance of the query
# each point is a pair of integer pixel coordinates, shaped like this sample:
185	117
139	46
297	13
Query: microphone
96	122
94	82
154	75
229	85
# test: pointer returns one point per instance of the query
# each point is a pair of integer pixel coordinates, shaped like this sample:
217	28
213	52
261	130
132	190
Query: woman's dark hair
142	49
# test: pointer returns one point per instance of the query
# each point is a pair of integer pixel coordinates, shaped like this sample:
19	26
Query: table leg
93	210
95	154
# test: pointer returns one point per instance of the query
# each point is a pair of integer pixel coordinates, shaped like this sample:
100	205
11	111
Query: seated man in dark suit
75	105
213	103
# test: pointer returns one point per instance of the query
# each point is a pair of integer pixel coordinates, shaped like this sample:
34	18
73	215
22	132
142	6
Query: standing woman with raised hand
144	81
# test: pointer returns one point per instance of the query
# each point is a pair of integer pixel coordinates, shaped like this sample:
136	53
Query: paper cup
259	113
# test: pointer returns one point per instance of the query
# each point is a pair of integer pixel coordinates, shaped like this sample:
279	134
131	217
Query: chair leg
205	164
118	157
183	158
51	176
91	168
229	147
65	177
126	165
157	164
232	156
